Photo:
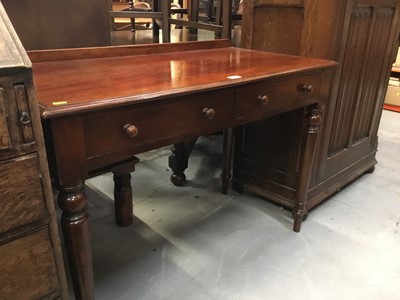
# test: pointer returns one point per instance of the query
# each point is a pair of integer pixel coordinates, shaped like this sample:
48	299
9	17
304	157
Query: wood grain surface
20	193
85	84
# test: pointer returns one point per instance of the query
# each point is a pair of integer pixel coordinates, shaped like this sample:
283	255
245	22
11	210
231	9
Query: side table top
65	87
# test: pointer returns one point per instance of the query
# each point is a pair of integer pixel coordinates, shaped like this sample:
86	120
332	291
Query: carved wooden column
309	143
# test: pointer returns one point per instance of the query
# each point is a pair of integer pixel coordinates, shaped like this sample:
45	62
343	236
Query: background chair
213	15
159	13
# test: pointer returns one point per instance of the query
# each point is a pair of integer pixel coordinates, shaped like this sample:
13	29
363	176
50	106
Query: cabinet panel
362	65
21	196
278	35
27	268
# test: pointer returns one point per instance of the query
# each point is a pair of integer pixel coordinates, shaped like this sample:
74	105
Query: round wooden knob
208	113
306	88
262	100
131	131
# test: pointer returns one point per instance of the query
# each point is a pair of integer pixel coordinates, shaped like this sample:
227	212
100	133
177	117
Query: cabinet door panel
363	81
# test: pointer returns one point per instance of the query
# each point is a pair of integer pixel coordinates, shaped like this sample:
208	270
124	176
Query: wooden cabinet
362	35
31	264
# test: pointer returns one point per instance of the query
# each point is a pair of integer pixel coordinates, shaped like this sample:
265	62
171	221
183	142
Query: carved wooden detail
362	66
362	35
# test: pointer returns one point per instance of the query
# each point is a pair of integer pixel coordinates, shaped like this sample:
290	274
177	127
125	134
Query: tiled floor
192	243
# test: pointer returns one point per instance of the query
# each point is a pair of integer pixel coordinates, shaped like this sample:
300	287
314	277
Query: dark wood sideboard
31	265
362	35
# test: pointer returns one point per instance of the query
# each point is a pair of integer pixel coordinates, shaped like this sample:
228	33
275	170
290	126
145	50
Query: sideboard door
363	36
361	83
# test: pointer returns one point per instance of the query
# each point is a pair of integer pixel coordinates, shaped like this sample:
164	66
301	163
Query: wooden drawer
276	96
105	132
16	132
27	268
21	195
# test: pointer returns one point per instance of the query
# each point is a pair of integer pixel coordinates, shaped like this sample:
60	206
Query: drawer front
157	122
16	131
276	96
21	195
27	268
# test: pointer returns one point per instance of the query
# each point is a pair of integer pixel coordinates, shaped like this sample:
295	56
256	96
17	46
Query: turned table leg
178	161
309	143
74	222
227	150
123	192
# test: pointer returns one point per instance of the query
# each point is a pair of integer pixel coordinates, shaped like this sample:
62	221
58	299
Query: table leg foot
298	218
178	179
225	185
178	161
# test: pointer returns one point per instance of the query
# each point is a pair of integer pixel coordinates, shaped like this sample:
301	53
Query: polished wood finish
31	264
362	35
98	124
46	24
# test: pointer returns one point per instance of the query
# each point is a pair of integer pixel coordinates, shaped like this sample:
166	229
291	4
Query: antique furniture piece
31	264
360	34
94	125
49	24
